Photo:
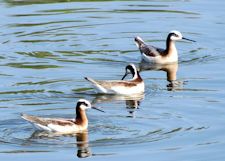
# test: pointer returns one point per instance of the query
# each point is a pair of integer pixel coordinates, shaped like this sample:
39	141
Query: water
47	47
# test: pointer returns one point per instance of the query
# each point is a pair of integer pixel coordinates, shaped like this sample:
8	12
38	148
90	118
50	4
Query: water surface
47	47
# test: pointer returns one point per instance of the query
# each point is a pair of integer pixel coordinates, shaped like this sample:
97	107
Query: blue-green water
47	47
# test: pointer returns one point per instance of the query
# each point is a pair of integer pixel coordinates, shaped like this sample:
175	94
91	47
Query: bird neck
136	76
171	49
81	117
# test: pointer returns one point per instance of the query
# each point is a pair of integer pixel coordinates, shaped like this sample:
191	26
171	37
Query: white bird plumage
125	87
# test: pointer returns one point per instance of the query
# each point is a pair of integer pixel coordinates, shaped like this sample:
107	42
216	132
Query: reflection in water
83	150
175	85
131	106
132	102
47	49
171	73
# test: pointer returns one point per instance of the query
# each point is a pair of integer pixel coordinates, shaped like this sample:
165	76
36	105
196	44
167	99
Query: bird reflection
171	73
131	106
132	102
83	150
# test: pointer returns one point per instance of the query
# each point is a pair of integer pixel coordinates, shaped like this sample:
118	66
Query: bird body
63	125
126	87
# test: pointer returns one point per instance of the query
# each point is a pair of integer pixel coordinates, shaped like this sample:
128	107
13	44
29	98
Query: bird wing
110	84
45	122
150	50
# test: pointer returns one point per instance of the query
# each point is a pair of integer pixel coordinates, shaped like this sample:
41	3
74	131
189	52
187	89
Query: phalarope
126	87
157	55
63	125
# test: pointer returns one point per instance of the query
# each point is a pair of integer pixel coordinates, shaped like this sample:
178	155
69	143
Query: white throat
135	75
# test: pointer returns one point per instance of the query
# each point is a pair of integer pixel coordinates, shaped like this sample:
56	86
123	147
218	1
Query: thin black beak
124	76
188	39
97	109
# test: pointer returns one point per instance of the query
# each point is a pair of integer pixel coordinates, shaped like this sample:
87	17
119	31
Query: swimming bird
124	87
157	55
62	125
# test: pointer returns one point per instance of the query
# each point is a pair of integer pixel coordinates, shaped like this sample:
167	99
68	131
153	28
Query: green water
47	47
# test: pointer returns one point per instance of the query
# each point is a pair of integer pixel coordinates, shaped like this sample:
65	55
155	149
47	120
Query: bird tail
138	41
32	119
97	84
27	117
90	80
